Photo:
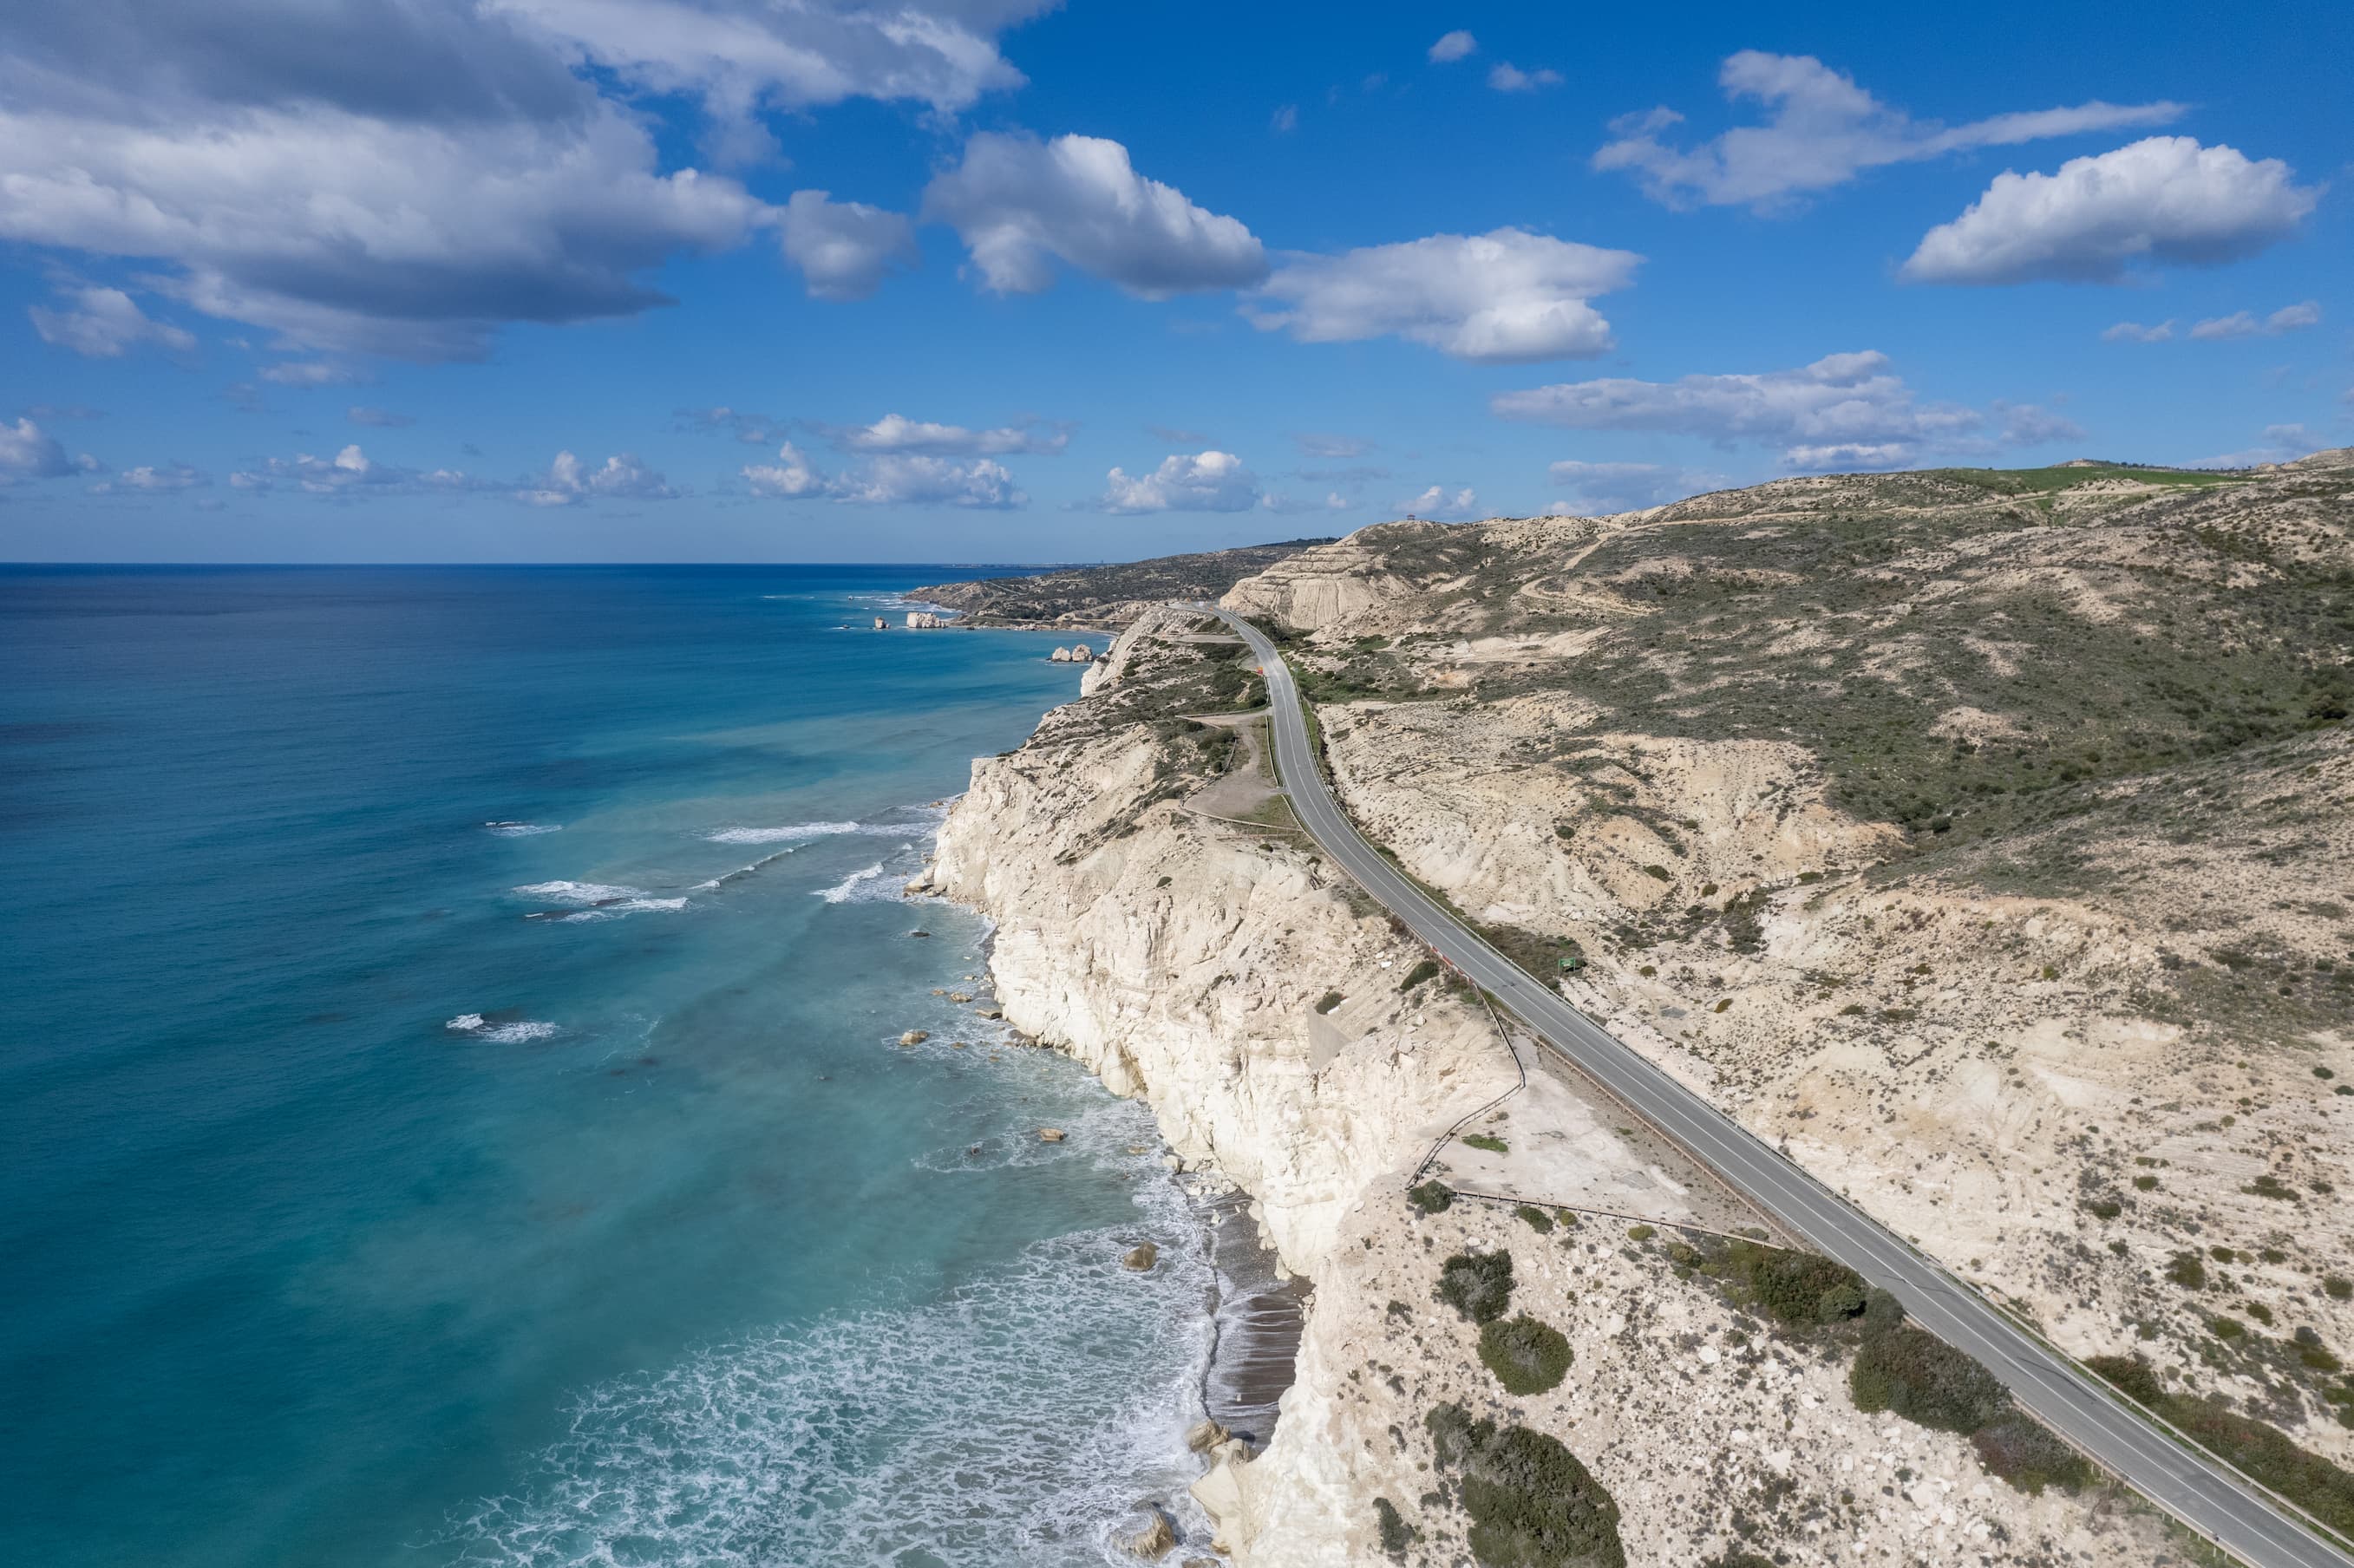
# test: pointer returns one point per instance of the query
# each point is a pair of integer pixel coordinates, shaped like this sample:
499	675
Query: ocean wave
860	887
1017	1422
792	832
504	1034
522	830
580	892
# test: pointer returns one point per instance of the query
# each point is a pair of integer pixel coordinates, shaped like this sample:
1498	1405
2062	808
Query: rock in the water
919	933
1206	1436
1155	1538
992	1013
915	1037
959	996
1142	1257
1051	1135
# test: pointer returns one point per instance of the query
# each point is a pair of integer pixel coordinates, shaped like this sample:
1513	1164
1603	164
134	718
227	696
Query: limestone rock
1052	1135
915	1037
1142	1257
1155	1540
1204	1435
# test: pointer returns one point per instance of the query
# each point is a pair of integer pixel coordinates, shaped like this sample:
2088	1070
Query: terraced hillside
1986	839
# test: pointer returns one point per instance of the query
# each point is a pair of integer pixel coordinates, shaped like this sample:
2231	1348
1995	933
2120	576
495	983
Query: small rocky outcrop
1155	1540
1052	1135
1140	1257
915	1037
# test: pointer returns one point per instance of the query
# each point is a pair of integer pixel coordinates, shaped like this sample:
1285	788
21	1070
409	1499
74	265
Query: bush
1419	973
2187	1271
1527	1356
1488	1142
1797	1287
1478	1284
2104	1207
2132	1376
2023	1453
1537	1219
1658	874
1925	1381
1396	1534
1531	1504
2338	1287
2310	1481
1431	1197
1329	1001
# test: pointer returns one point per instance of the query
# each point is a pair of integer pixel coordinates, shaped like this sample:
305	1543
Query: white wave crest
580	892
790	834
522	830
504	1034
1016	1423
465	1023
859	886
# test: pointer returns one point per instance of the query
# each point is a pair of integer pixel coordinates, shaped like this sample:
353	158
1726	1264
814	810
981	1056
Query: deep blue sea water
386	1186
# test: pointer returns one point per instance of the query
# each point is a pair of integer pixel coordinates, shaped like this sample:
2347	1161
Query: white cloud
896	433
105	323
1821	131
842	247
569	481
1204	481
1324	444
901	477
742	56
752	429
1451	47
1019	203
2165	199
350	472
312	373
1845	410
396	179
2134	332
152	481
2031	425
381	418
1505	76
2246	323
27	451
2282	443
1440	501
1284	119
1602	487
1506	297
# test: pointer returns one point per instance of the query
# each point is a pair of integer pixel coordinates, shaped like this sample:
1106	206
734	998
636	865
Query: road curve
2212	1499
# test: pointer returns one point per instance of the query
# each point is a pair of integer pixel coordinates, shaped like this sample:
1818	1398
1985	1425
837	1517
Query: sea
452	1108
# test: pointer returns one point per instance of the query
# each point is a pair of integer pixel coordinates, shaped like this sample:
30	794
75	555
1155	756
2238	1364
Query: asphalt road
2180	1478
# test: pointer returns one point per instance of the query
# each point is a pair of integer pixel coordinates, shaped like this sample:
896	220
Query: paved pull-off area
2178	1477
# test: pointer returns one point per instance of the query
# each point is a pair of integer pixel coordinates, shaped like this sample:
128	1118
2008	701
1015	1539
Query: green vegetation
1092	591
2029	1458
2186	1270
2264	1453
1396	1533
2050	480
1486	1142
1535	1218
1531	1503
1925	1381
1479	1285
1422	971
1431	1197
1527	1356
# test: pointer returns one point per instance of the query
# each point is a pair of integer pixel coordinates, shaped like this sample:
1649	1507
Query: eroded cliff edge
1158	918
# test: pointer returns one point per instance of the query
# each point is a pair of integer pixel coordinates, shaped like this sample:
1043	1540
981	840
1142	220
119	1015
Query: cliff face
1216	968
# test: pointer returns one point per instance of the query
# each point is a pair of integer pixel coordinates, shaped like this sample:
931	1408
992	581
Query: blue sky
993	281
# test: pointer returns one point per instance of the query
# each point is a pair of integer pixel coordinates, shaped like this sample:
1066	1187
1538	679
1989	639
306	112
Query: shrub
1488	1141
1797	1287
1527	1356
1329	1001
2306	1479
2132	1376
1925	1381
2144	1184
2104	1207
1419	973
2023	1453
2339	1286
1431	1197
1396	1534
2271	1186
2226	1328
2187	1271
1536	1218
1640	1232
1478	1284
1531	1504
1658	874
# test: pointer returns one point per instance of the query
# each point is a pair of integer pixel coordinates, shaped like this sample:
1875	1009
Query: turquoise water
451	1108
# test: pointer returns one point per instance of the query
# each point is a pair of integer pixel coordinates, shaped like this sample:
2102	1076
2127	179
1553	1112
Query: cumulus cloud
1599	489
1845	410
153	480
1508	296
404	182
1821	130
1440	501
2247	324
894	478
2134	332
349	473
105	324
2165	199
1204	482
569	482
1506	77
896	433
1455	46
842	247
381	418
1019	204
27	451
